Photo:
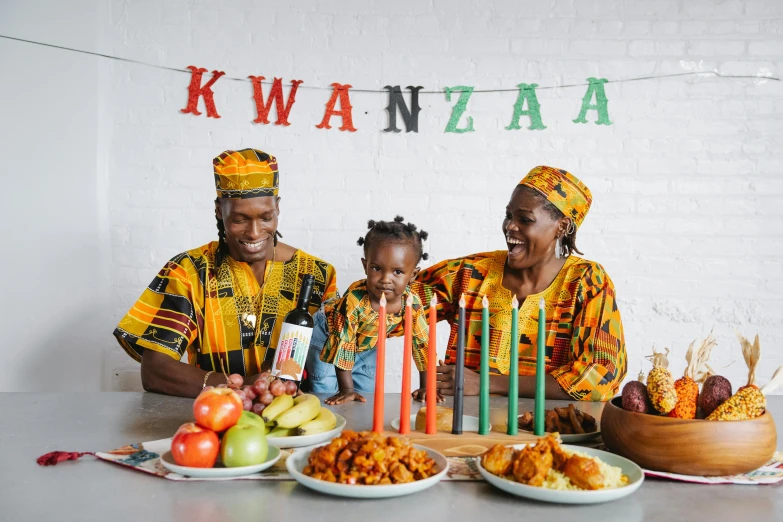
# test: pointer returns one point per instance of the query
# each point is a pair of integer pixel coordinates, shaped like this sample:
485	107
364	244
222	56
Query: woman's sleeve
340	347
597	346
163	319
421	337
439	280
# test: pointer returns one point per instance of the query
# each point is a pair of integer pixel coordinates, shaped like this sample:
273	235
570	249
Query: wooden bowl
688	447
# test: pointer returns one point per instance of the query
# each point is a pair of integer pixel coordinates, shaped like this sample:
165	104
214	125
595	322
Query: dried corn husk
751	353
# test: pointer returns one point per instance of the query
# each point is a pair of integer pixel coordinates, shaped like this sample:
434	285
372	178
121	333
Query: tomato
217	409
194	446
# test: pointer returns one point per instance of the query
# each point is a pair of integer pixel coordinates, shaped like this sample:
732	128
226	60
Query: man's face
250	226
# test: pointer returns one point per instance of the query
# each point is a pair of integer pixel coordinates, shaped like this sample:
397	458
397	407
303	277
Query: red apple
194	446
217	409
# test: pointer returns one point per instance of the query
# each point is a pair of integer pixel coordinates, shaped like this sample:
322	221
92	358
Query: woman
224	303
585	349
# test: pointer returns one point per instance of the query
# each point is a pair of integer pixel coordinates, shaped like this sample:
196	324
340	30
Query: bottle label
291	352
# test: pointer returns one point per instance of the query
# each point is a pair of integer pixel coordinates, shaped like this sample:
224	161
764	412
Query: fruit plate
219	471
300	441
469	423
632	471
296	463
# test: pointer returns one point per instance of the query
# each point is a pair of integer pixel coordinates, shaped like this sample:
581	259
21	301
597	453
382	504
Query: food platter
469	423
219	471
632	471
301	441
297	462
571	437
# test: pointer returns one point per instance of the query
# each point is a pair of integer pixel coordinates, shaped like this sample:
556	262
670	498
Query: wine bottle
295	334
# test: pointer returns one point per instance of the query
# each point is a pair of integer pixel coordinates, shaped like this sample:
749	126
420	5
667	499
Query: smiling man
224	303
585	351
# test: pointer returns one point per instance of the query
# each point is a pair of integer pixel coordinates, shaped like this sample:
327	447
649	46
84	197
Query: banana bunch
287	416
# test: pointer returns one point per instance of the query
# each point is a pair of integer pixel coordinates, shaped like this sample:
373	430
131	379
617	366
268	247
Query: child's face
389	267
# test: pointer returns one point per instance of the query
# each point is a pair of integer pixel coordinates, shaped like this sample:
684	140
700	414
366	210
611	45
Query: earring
558	248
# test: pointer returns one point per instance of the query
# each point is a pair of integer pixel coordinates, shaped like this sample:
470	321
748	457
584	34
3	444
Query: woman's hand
344	396
420	395
445	380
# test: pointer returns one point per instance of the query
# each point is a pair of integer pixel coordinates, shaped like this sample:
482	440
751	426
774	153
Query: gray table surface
88	489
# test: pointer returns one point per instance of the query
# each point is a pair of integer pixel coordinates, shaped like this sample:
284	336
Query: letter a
527	92
601	103
340	91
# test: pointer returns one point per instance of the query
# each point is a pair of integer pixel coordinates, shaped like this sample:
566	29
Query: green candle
538	426
513	370
484	383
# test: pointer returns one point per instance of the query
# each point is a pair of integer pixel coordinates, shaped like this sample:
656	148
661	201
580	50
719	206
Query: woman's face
250	226
529	229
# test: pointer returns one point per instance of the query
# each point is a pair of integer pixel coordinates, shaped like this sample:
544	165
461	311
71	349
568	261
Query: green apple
248	417
243	445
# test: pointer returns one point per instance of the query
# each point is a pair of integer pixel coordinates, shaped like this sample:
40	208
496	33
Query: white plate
219	471
632	471
469	423
296	463
571	438
300	441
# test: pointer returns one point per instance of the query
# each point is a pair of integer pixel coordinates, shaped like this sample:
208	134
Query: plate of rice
617	477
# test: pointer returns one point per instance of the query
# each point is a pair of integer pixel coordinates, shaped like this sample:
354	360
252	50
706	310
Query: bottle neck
304	295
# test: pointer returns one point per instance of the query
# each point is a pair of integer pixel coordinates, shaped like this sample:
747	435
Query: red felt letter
340	91
195	90
276	96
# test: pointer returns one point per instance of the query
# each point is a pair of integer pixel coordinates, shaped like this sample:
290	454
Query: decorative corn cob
660	383
747	403
687	386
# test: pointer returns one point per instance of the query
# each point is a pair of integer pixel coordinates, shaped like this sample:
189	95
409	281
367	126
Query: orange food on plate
369	458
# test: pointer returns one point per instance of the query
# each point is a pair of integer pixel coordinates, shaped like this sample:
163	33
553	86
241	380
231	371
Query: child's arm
420	395
346	393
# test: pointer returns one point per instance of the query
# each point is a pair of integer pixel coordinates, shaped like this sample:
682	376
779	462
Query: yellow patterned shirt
353	327
585	349
222	318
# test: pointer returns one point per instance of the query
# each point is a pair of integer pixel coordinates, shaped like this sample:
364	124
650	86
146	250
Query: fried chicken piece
533	464
559	457
526	421
583	472
574	420
498	460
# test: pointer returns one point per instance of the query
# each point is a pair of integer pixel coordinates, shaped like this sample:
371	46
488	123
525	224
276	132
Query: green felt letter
459	108
601	103
527	92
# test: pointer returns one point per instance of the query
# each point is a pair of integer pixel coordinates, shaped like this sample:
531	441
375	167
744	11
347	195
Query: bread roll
444	417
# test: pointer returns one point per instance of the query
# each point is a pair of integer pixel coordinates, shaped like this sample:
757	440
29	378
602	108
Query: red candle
380	354
407	354
432	368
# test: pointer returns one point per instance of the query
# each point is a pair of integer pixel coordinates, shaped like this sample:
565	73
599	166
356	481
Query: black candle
459	371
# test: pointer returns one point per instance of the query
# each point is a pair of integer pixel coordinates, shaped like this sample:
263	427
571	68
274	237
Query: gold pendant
249	320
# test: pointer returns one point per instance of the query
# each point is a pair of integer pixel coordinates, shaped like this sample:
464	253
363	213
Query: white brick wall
688	181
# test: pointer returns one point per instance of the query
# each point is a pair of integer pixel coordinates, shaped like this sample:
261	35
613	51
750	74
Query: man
224	303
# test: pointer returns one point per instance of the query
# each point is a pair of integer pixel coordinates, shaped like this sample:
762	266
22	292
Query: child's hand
420	395
345	396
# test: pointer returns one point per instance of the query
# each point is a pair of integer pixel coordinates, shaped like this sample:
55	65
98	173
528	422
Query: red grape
260	386
266	398
222	386
247	404
250	393
258	408
241	395
235	380
277	388
290	388
266	376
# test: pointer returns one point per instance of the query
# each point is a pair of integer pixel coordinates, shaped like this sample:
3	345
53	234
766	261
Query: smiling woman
224	303
585	351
